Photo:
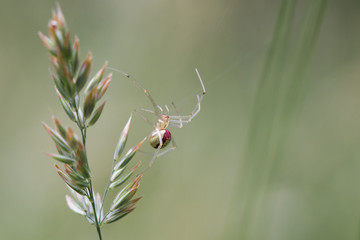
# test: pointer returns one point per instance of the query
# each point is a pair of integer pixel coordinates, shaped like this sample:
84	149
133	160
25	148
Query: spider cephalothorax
162	122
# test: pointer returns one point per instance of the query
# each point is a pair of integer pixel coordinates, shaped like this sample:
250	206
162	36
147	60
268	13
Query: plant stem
90	188
107	186
97	225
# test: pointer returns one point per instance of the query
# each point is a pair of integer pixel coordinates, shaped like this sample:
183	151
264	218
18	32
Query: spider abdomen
165	137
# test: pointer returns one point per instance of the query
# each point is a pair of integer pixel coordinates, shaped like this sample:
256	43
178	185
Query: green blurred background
273	154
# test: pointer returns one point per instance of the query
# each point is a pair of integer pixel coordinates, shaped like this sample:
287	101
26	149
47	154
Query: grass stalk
71	84
262	118
90	188
290	106
276	100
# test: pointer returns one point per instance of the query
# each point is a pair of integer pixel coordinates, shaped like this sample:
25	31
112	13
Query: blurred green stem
276	102
295	91
260	132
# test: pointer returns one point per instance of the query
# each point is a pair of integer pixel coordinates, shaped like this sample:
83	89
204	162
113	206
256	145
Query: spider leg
187	118
159	154
202	84
180	120
147	110
146	92
175	125
147	153
144	118
168	150
167	110
161	110
196	110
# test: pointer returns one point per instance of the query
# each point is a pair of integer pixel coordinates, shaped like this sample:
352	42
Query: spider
160	137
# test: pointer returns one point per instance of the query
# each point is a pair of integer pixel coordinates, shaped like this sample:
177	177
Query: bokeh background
273	154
